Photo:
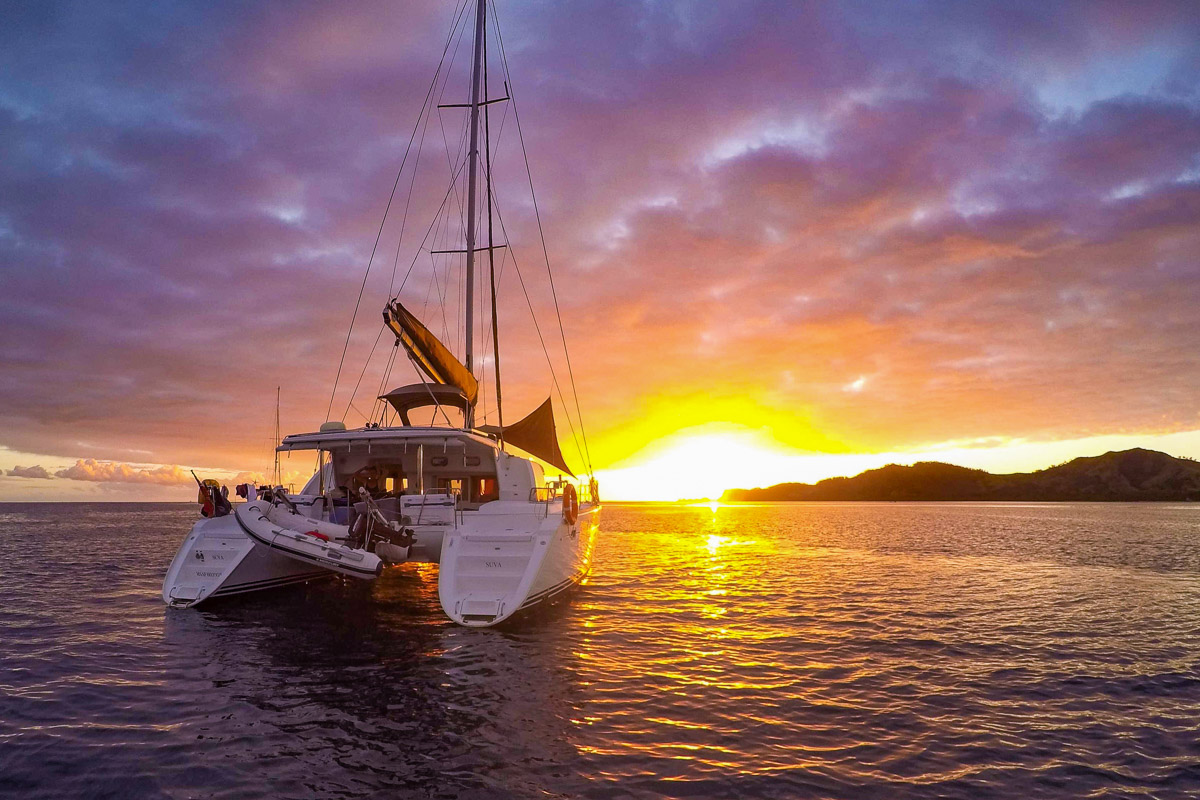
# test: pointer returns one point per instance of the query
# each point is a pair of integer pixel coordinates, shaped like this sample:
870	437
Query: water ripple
843	651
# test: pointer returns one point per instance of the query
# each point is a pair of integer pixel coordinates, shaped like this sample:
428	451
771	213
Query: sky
788	241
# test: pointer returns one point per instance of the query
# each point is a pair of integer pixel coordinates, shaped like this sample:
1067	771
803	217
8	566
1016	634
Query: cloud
115	472
29	472
956	201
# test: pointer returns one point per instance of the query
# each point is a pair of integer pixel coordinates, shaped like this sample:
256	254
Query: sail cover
434	359
535	435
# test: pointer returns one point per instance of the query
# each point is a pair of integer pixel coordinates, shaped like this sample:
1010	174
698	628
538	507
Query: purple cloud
28	472
991	210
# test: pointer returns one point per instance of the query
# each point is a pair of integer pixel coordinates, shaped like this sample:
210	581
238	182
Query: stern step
486	575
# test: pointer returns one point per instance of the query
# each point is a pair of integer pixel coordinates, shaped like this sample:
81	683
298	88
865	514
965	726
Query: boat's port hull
217	559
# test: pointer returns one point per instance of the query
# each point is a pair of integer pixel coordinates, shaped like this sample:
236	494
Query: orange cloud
115	472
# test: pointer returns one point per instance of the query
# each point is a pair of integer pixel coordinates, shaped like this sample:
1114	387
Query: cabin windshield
462	468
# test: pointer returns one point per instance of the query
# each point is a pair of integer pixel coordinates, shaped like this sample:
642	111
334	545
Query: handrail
550	492
543	494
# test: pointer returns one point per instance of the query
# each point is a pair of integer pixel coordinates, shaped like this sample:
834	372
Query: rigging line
407	203
545	350
426	113
503	248
438	235
375	402
450	165
459	17
360	412
421	246
432	396
383	378
395	262
542	236
462	136
436	213
462	143
366	363
432	268
441	298
457	197
429	286
382	222
499	274
462	140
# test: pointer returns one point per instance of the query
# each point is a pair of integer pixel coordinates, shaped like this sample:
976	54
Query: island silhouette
1127	475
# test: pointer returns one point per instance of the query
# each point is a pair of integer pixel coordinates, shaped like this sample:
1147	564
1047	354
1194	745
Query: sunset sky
790	240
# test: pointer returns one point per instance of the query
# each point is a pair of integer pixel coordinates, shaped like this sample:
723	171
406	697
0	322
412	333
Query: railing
543	494
550	492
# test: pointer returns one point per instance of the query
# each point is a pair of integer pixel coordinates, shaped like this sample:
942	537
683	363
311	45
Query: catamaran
446	489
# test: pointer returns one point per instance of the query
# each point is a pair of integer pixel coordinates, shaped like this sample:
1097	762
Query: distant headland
1128	475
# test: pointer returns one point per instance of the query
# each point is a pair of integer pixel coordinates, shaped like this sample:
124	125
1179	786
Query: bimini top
379	437
421	395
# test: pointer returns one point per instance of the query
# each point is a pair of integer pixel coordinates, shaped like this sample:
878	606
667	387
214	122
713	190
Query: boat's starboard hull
511	559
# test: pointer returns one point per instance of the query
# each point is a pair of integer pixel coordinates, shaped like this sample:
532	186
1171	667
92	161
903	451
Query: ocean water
790	651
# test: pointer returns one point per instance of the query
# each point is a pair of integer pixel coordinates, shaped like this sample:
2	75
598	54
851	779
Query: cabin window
486	490
390	485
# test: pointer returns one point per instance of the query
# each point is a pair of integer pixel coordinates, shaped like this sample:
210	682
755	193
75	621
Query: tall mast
487	173
472	179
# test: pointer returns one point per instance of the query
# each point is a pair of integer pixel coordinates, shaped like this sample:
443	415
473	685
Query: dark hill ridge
1127	475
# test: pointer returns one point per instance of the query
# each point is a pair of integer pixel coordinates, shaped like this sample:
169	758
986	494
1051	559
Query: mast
472	180
487	173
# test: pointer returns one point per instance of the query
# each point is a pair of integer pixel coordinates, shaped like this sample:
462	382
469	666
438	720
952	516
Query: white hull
495	557
513	556
570	556
508	557
218	560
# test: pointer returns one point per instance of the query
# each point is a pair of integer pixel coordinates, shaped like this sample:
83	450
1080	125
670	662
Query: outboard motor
392	540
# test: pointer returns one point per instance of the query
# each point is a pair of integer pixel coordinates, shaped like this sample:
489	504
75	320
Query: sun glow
699	464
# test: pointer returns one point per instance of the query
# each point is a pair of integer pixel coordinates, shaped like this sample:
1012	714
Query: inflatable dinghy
311	541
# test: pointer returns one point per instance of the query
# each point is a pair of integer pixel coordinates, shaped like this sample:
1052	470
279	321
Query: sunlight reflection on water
766	651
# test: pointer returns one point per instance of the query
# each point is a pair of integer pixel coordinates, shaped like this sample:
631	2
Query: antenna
276	482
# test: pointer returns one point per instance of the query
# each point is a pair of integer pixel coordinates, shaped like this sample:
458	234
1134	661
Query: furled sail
535	435
434	359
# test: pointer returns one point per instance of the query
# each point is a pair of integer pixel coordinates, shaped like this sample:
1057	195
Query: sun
699	463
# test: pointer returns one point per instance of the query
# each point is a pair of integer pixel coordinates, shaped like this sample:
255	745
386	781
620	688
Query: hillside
1119	476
